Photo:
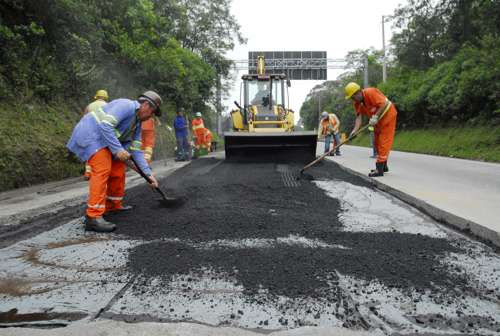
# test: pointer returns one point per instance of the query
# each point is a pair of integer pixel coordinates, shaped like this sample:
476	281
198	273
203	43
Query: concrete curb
463	225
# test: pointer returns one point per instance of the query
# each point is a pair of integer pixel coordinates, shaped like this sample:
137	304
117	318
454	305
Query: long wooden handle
139	170
334	148
147	178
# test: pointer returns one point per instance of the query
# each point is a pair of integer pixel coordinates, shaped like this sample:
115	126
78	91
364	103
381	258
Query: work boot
98	224
379	171
386	169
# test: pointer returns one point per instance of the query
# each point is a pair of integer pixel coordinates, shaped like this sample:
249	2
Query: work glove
373	120
123	155
352	135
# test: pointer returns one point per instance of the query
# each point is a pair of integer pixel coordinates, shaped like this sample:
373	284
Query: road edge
461	224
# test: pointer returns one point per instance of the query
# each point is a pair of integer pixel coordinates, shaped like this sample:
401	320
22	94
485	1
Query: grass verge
475	143
32	145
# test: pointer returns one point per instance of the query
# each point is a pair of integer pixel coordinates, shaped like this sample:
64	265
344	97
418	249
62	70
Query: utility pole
384	63
365	72
219	105
319	105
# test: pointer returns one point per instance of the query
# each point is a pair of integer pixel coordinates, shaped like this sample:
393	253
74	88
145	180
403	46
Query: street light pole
384	63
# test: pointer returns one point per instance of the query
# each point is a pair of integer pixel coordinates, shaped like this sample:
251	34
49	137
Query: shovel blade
169	202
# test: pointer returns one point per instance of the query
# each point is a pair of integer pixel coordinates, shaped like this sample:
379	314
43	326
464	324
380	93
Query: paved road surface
465	188
254	250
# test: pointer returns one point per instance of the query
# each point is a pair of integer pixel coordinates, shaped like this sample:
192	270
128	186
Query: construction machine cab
265	123
264	102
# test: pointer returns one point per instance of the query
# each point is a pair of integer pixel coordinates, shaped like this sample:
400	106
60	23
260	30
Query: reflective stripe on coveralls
385	129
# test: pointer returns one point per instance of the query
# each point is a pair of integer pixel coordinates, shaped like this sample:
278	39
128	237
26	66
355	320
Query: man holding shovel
329	130
382	116
107	138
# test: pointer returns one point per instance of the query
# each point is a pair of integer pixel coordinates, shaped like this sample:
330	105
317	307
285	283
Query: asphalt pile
237	201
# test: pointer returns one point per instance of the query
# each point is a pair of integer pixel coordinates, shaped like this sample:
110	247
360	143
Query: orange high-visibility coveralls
208	139
386	127
199	132
104	168
148	138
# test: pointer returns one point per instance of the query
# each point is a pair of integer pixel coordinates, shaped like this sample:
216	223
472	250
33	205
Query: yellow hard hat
351	89
101	94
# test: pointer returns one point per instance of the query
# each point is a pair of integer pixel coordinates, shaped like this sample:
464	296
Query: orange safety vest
330	125
148	138
373	99
199	131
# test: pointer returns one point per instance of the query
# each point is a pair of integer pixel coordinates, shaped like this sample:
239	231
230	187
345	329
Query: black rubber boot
379	171
386	169
98	224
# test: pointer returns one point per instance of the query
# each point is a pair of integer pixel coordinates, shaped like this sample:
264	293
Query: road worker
382	116
329	129
208	139
107	138
181	134
148	139
100	99
198	127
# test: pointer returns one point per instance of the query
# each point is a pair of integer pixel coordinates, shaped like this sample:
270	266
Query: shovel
165	200
331	150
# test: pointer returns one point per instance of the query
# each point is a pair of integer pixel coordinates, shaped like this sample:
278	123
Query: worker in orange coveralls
199	131
382	113
107	138
208	139
148	139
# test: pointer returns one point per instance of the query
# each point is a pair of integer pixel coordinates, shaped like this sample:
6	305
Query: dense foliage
68	48
55	54
445	67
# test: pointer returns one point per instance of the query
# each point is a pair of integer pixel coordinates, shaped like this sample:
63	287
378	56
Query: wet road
255	248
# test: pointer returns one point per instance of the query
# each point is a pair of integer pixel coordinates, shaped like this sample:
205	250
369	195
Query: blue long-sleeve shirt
180	126
114	126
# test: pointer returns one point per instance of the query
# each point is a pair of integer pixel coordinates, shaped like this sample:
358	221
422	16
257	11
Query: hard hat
154	99
324	115
197	114
101	94
351	89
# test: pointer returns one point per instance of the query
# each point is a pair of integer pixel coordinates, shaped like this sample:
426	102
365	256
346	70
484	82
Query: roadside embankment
473	143
33	144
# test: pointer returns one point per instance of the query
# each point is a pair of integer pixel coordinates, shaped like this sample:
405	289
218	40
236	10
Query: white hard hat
324	115
197	114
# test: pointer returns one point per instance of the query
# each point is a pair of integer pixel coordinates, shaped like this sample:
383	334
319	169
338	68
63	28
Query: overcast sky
333	26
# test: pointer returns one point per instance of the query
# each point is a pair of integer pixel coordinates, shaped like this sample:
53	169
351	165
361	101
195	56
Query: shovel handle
146	177
139	170
334	148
